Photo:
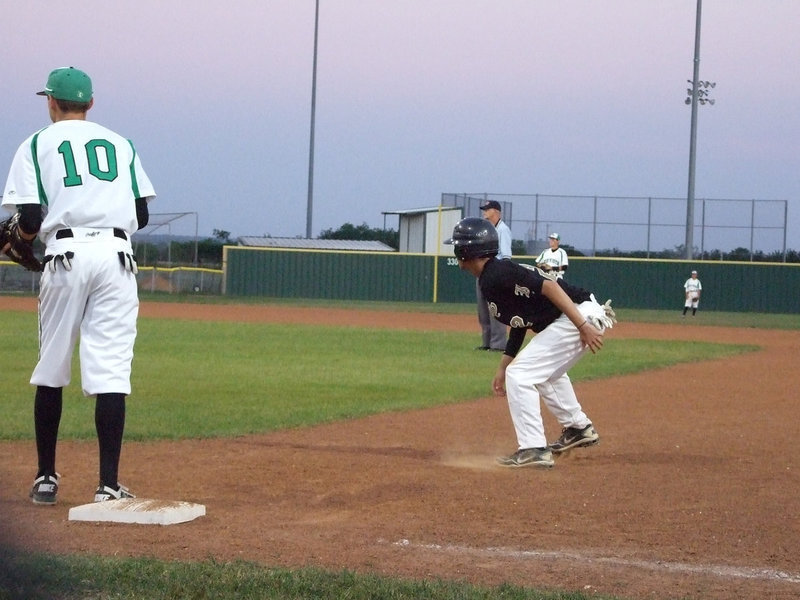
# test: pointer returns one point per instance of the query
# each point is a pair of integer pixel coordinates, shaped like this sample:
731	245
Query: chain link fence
14	278
172	280
593	224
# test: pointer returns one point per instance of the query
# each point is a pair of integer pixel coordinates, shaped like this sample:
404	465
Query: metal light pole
695	95
310	205
693	138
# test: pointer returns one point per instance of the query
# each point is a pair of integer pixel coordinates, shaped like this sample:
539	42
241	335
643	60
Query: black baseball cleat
105	492
575	437
45	489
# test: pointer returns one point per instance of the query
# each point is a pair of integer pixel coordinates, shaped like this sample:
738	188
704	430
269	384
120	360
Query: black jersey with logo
514	294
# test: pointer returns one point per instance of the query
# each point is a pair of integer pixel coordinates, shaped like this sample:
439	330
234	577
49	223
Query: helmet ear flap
461	252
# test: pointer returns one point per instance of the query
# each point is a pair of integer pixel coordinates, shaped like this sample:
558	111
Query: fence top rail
323	251
483	195
174	269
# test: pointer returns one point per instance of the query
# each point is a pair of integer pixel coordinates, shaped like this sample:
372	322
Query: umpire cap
491	204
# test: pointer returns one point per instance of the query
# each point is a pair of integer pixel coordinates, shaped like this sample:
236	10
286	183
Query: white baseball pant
96	298
540	369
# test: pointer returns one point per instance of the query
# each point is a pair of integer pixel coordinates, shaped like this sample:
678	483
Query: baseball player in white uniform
692	289
553	260
82	189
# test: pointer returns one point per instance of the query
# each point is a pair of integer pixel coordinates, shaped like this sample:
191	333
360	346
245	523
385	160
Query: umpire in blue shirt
493	333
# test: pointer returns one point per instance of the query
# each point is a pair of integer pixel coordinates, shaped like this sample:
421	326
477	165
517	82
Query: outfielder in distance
82	189
692	289
567	321
554	259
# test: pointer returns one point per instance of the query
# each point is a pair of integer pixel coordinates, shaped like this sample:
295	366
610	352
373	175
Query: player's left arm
17	243
30	220
590	335
142	212
516	337
28	224
499	379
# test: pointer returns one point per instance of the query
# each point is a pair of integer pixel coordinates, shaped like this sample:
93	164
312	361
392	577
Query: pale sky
419	97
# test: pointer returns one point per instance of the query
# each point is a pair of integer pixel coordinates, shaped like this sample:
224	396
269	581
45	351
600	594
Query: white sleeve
21	185
142	182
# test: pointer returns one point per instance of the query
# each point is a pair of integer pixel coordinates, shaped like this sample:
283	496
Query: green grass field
713	318
200	380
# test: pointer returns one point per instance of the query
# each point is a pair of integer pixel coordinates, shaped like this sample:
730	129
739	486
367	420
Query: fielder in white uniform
82	189
692	289
554	259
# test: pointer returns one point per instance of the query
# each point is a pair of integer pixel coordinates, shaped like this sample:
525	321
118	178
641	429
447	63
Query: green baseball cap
68	83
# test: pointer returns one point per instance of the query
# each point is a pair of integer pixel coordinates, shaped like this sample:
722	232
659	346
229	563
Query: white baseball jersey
554	258
68	167
692	287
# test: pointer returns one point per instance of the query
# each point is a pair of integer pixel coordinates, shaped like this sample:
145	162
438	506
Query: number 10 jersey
83	173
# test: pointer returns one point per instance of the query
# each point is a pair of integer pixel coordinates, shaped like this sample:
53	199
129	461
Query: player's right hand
591	336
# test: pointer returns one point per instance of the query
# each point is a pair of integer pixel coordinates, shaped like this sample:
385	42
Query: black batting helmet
474	238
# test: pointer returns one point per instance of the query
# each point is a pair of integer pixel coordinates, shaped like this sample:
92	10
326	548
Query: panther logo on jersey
521	290
518	322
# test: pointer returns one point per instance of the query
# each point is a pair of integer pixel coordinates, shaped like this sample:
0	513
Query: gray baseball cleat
575	437
528	457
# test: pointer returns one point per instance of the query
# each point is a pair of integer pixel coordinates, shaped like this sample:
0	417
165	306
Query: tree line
209	250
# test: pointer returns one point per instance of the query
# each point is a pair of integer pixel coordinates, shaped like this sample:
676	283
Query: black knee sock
47	417
685	309
109	420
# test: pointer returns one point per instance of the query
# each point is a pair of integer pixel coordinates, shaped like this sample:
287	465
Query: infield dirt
693	491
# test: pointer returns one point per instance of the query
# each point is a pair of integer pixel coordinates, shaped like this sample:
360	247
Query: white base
138	510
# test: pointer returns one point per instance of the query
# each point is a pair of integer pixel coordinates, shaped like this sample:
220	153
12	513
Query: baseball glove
19	250
605	321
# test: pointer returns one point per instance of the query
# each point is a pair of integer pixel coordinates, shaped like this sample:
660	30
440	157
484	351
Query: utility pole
310	204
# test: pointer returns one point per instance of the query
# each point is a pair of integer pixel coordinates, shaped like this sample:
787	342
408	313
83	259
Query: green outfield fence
396	277
632	283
